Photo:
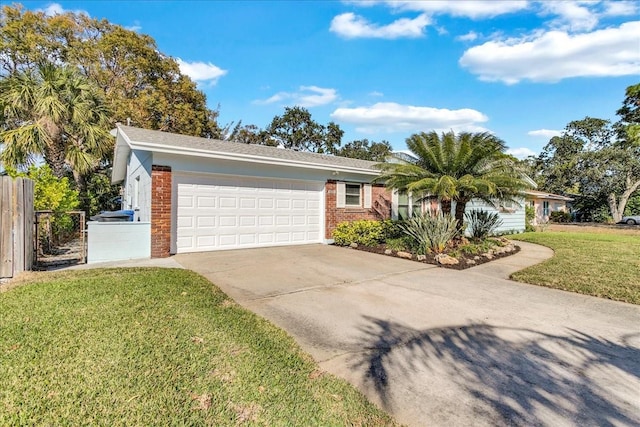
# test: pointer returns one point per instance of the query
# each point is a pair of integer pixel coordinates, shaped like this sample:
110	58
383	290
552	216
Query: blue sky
387	69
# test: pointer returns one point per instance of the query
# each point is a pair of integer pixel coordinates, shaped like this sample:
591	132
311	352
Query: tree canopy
296	130
596	161
56	113
138	81
366	150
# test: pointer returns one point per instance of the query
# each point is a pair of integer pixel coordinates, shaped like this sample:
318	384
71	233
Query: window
352	194
403	205
410	205
545	208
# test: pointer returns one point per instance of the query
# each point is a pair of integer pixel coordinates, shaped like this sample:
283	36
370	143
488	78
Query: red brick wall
160	211
380	207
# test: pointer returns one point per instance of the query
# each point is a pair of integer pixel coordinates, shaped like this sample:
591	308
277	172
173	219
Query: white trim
359	204
341	194
394	204
367	196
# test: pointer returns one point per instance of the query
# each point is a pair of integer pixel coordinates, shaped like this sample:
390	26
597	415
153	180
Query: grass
603	263
156	347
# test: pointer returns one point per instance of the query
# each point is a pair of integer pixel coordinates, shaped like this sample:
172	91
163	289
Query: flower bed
456	258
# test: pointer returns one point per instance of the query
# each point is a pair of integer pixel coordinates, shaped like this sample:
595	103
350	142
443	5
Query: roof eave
159	148
120	157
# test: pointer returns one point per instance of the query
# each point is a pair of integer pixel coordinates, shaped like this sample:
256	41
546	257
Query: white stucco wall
137	186
116	241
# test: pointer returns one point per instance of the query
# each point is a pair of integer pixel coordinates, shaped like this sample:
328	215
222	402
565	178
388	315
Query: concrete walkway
444	347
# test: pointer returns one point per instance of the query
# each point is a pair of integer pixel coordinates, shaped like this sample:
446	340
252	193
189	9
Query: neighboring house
544	203
203	194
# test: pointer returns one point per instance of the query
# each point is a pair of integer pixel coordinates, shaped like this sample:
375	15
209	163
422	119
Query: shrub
560	216
404	243
602	214
529	216
363	232
482	224
431	233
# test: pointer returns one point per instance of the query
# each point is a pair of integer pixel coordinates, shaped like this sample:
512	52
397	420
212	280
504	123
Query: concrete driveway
443	347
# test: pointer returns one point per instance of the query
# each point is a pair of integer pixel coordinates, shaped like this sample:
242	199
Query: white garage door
222	212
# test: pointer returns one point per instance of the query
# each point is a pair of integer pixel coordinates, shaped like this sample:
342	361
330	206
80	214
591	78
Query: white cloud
469	37
545	133
53	9
393	117
201	71
620	8
135	27
474	9
376	94
306	96
350	25
521	152
556	55
571	15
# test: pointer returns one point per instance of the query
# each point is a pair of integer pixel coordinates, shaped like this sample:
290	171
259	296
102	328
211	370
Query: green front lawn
156	347
603	264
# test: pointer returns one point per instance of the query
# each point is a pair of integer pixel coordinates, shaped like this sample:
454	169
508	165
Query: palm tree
53	112
457	168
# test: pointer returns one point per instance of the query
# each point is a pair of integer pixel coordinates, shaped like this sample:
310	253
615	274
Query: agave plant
431	233
481	224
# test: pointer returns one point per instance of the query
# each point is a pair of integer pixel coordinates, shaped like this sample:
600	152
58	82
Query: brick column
330	220
160	211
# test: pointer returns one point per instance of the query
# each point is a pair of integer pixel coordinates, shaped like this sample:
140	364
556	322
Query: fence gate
60	239
16	226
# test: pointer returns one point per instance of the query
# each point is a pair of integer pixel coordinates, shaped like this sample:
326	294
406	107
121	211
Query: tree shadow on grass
522	376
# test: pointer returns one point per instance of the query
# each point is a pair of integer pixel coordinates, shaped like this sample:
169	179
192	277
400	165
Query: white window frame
347	194
365	195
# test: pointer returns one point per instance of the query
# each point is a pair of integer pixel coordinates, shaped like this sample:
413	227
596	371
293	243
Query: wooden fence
16	225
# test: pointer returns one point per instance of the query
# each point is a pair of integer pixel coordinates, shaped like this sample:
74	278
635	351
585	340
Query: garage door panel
247	221
228	240
238	212
206	221
247	203
228	221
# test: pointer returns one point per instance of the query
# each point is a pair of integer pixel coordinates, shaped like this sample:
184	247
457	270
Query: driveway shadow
512	376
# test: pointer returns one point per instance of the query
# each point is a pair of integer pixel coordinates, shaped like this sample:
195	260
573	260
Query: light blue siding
137	187
513	219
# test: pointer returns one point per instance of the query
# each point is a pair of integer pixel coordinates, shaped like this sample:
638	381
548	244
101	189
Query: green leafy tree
633	205
598	162
249	134
50	193
56	113
296	130
457	168
138	81
366	150
628	127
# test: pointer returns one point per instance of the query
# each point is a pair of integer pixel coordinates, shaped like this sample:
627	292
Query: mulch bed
465	260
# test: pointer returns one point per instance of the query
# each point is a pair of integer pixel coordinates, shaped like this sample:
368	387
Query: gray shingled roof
177	141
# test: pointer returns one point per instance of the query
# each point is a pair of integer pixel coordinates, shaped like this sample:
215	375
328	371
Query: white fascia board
120	157
245	158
